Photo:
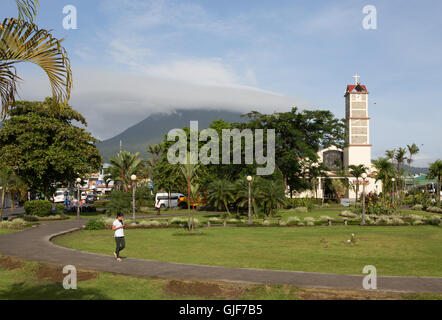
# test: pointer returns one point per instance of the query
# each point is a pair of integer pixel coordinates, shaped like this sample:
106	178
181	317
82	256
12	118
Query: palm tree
400	159
390	155
10	184
241	188
436	173
123	166
22	41
412	151
273	195
220	193
384	172
189	171
357	171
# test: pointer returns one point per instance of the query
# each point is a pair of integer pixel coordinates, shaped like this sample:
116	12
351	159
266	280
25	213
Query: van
59	196
162	200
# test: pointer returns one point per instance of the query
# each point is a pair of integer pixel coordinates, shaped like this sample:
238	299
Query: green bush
40	208
119	202
95	224
101	204
60	208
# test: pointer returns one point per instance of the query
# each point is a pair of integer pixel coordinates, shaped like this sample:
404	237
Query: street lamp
393	180
250	179
78	198
364	177
134	186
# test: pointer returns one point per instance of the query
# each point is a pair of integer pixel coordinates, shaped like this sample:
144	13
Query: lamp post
78	198
393	180
134	186
250	179
364	177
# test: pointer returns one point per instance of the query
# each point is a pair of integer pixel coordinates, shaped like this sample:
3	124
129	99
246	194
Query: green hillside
152	129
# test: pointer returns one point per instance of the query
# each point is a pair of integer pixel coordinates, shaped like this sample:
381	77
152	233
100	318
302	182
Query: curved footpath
34	245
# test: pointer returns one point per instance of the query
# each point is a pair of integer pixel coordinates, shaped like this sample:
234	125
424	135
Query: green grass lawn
34	281
405	250
5	231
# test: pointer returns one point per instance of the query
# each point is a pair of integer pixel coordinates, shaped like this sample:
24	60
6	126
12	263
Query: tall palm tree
220	193
412	151
384	172
357	171
390	155
436	173
22	41
123	166
189	172
400	159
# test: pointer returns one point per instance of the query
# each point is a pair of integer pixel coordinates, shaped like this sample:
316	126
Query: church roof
359	88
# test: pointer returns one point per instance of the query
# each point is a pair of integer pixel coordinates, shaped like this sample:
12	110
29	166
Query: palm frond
8	83
27	9
22	41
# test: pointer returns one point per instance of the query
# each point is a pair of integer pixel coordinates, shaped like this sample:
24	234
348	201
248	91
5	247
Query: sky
132	58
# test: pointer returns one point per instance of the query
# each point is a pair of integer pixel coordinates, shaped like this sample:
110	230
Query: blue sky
131	58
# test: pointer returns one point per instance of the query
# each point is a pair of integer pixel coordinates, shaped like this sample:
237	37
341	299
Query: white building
358	150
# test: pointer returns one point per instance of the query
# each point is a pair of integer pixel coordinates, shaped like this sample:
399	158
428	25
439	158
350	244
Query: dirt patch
55	274
207	290
9	263
326	294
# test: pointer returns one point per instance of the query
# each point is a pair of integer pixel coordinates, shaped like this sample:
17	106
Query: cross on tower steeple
356	76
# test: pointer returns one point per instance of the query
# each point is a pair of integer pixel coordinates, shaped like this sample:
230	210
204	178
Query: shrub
326	205
301	224
418	207
398	221
348	214
434	209
309	219
215	220
95	224
146	223
120	202
40	208
108	221
101	204
416	217
30	218
325	218
293	220
233	221
178	221
301	209
310	223
418	222
266	223
434	220
60	208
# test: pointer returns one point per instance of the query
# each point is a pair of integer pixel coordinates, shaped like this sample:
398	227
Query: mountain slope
152	129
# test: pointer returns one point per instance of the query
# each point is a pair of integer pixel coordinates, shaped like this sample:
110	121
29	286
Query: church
358	150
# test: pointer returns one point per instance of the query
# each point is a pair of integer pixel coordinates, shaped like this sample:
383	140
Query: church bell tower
358	150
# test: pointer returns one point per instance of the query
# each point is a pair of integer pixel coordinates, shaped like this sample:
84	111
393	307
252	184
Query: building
358	150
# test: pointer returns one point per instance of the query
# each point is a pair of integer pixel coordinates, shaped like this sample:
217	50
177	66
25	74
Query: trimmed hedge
96	224
40	208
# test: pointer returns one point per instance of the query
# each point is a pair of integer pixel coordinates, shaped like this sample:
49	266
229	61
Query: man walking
118	227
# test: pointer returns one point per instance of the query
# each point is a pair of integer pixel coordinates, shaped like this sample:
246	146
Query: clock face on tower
358	97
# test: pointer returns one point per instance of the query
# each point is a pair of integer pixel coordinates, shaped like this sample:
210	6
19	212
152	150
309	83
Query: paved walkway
35	245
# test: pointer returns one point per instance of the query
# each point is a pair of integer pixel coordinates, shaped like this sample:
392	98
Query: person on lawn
118	227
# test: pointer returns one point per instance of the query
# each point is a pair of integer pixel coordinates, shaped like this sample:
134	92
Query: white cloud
111	101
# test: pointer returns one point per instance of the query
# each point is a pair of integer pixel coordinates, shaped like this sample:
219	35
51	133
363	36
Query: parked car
162	200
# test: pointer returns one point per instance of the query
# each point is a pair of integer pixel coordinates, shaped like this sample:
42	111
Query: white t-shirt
120	232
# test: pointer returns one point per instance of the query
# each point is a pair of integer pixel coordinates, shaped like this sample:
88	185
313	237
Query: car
91	199
162	200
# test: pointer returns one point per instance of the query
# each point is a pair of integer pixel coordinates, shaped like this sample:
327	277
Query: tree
384	172
220	193
43	146
122	167
412	151
436	173
272	194
390	154
22	41
241	192
299	135
357	171
189	171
